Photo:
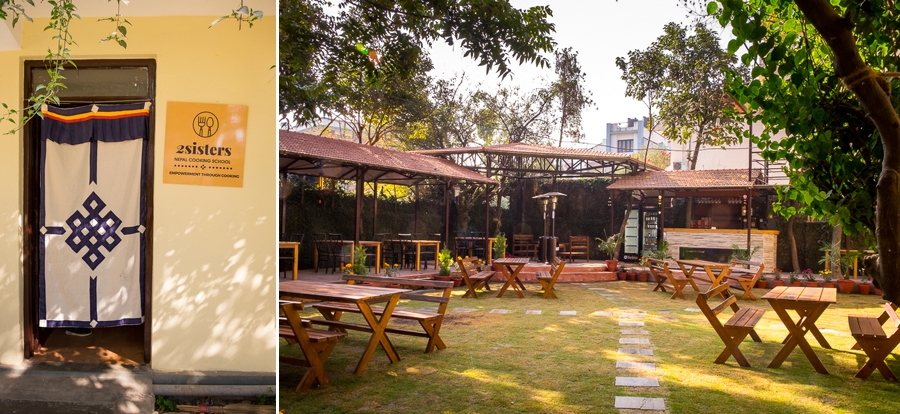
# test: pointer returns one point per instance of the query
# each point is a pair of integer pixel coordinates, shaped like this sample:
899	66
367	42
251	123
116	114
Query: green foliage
609	245
264	399
737	253
499	246
685	74
832	148
654	156
120	34
571	94
164	404
243	14
317	42
660	253
359	261
445	259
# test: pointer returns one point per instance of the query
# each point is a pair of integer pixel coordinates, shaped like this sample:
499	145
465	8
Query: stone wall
723	239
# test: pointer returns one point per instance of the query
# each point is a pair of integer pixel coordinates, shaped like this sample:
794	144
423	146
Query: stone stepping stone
429	309
629	307
692	309
636	351
832	331
648	366
631	316
639	403
464	310
634	341
504	311
637	382
533	312
568	313
596	288
634	332
602	313
631	324
665	311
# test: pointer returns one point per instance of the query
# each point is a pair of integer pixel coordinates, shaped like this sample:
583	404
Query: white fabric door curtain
92	218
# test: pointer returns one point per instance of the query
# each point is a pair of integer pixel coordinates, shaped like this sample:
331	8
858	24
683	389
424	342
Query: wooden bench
429	321
548	279
316	344
524	245
661	273
746	274
578	246
473	276
870	336
736	328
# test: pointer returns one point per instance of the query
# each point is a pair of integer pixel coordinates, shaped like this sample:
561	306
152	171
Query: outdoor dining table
510	267
809	303
363	297
715	271
367	243
472	239
419	244
296	247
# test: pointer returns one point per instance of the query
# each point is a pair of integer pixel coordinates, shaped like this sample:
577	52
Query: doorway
110	85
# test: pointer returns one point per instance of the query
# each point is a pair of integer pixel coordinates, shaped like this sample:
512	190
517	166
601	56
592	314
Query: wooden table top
802	294
335	291
698	263
512	260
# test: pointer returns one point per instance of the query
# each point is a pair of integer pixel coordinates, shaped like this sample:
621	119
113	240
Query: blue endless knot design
93	231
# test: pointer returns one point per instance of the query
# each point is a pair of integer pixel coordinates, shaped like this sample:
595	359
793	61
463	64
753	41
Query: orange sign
205	144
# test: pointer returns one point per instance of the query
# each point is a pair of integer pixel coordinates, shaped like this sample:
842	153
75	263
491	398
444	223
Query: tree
454	118
818	80
570	93
686	73
318	42
521	116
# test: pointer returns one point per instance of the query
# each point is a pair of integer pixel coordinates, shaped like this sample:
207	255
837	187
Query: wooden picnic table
296	247
809	303
368	243
510	267
473	239
363	297
716	271
419	244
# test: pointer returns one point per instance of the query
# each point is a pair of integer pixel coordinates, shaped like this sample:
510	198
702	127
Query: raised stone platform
573	272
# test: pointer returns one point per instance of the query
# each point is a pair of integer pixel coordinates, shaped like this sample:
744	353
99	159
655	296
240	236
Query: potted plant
810	278
445	259
359	261
622	274
643	273
632	274
795	279
845	285
609	246
864	286
499	250
762	282
776	280
827	277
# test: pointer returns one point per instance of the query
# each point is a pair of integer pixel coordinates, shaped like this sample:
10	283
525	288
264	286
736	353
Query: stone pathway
633	336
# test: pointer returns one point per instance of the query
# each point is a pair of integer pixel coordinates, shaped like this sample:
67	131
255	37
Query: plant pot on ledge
611	265
622	275
864	288
643	275
761	283
845	285
776	283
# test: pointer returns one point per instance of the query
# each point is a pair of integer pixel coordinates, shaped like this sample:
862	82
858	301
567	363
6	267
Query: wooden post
447	189
487	213
357	227
374	209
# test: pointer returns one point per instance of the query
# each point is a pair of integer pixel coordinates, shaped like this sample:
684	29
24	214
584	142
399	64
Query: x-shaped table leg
797	334
378	336
511	279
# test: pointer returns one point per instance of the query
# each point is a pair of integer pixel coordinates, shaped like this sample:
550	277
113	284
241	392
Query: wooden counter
767	240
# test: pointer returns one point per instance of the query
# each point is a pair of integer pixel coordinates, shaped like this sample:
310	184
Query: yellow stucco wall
214	285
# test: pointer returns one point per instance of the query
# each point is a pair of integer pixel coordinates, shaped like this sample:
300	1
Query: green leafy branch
16	9
120	34
243	14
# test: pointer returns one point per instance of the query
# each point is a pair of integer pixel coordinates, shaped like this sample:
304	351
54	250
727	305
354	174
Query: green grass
514	363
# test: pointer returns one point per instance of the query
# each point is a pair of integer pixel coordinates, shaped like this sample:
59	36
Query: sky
600	31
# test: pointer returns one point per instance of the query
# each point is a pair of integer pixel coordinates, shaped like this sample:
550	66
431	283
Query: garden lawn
548	363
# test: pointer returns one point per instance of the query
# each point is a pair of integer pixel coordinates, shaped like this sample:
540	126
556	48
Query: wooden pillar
447	189
374	209
662	218
357	227
416	211
487	213
612	213
749	215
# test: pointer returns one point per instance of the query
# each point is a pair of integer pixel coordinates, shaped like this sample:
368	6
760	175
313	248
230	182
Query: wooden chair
316	344
429	321
870	336
661	273
737	327
746	273
473	276
524	245
286	256
548	279
579	246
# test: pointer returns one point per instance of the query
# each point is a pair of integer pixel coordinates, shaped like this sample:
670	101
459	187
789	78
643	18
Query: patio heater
548	243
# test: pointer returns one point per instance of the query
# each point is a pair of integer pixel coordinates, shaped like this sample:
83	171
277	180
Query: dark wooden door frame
31	199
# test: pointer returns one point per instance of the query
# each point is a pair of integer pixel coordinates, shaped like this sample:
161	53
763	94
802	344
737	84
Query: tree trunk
871	90
621	238
795	261
837	233
697	149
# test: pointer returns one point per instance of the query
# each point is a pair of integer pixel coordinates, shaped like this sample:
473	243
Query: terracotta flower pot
622	275
828	284
611	265
643	276
443	278
632	276
797	283
864	288
777	283
761	283
845	285
876	291
812	284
